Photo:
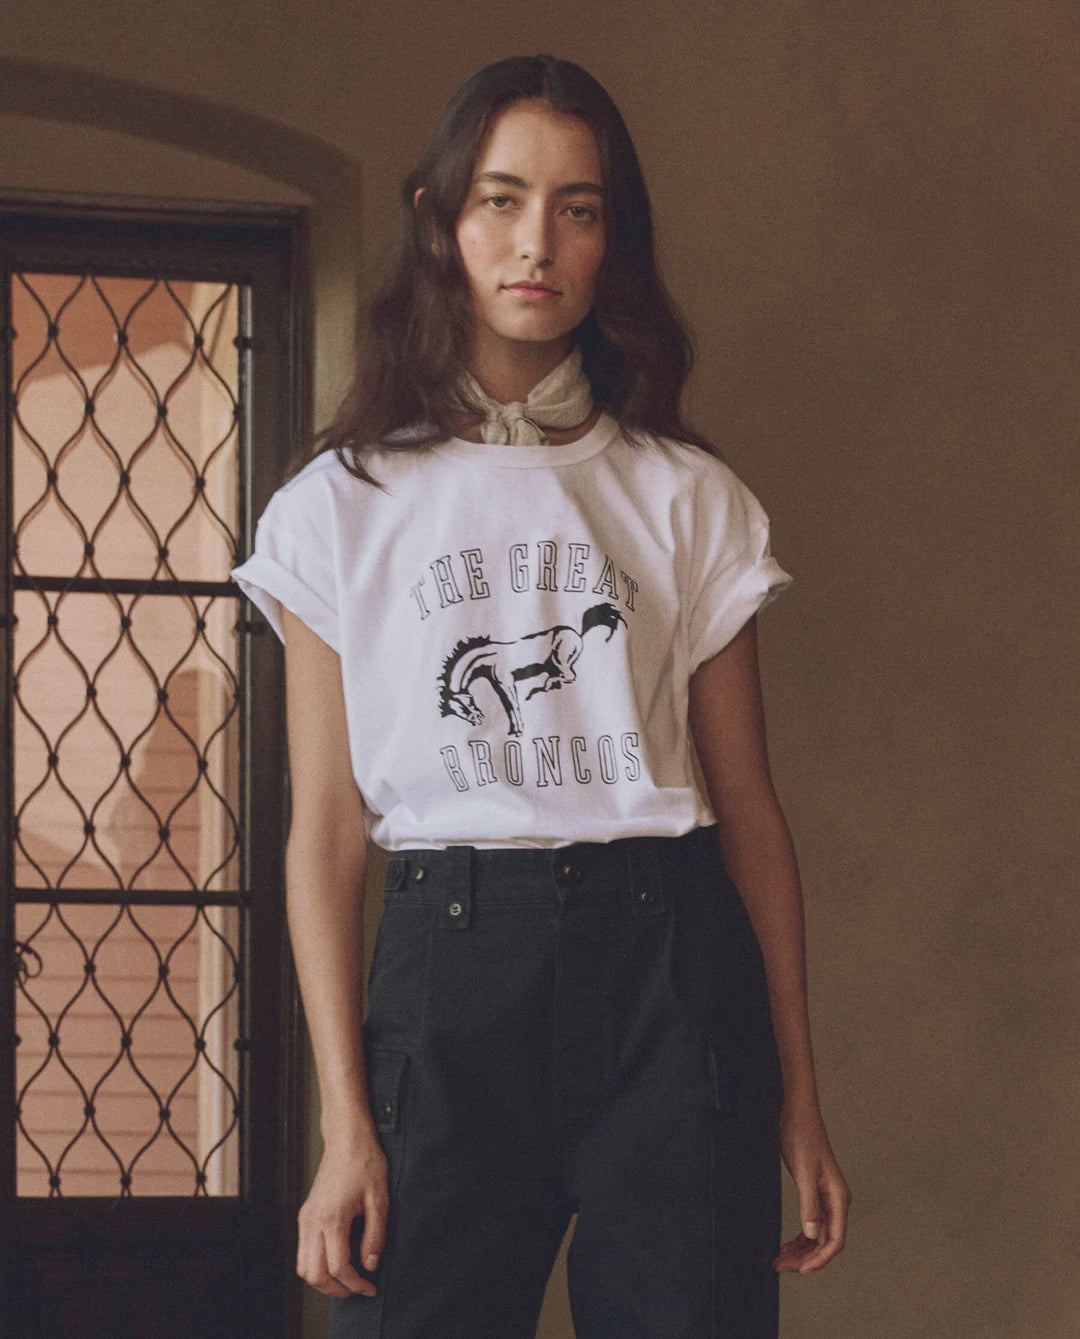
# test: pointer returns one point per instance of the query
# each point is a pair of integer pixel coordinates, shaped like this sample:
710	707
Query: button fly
455	908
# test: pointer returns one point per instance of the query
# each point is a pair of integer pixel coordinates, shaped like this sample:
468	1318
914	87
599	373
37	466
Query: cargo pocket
387	1078
387	1085
747	1080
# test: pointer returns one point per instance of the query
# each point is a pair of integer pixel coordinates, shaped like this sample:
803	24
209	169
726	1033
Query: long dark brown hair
412	346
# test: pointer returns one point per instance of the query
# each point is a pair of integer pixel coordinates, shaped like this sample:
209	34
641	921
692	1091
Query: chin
547	330
529	337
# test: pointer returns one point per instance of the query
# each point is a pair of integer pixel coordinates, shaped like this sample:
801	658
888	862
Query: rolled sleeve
735	574
733	597
292	566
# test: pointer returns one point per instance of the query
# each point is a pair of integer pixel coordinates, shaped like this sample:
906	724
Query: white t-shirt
517	627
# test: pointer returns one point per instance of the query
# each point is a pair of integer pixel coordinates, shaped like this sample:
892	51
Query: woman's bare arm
324	878
728	726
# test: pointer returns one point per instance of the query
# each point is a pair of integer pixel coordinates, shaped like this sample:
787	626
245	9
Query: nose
536	235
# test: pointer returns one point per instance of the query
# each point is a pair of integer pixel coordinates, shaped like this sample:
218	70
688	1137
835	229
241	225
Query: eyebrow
570	188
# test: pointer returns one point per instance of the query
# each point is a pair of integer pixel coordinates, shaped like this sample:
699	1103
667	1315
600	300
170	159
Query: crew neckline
501	455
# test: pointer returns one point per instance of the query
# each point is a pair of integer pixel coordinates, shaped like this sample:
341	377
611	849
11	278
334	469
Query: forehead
529	139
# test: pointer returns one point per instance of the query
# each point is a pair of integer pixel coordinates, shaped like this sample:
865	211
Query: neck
509	373
522	413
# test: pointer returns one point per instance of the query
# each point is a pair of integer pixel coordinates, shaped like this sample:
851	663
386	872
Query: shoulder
689	471
322	474
325	505
306	510
710	508
323	488
311	481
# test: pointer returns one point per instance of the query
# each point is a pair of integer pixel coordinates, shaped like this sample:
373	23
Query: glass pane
127	1069
126	742
125	426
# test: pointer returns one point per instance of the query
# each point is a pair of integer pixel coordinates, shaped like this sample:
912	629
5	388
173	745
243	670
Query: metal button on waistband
419	875
455	908
566	871
645	897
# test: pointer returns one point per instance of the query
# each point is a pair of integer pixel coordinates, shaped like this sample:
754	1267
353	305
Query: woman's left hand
824	1197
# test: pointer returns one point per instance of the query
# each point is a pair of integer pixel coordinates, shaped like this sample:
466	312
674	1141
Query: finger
332	1288
831	1241
823	1250
793	1253
810	1208
339	1265
786	1265
308	1245
311	1266
795	1246
819	1257
373	1241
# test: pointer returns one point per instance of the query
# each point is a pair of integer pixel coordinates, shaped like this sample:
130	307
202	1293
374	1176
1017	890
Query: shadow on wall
272	148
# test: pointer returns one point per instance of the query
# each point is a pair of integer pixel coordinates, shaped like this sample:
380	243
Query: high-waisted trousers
579	1030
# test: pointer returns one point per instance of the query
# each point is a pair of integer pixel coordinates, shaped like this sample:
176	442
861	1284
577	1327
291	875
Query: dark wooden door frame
244	1246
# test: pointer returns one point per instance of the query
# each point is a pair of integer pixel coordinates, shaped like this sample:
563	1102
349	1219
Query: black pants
575	1030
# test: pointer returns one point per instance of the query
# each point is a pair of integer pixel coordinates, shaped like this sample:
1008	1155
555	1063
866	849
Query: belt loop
646	876
457	908
395	874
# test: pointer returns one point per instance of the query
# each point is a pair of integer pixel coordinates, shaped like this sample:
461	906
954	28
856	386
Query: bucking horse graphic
547	657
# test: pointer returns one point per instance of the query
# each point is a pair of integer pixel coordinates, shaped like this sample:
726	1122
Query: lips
531	290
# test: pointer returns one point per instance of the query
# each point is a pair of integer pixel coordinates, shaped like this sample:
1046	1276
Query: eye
583	213
498	202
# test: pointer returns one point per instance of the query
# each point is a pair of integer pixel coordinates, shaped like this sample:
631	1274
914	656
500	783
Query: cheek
477	250
588	265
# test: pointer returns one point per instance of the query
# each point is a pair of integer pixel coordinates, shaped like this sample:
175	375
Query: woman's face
532	233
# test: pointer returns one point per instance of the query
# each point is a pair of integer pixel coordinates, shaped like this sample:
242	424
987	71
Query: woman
511	584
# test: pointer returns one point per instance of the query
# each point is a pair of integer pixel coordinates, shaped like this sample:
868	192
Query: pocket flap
386	1088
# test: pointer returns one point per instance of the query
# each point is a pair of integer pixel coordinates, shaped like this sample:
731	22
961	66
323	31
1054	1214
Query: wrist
802	1097
346	1120
357	1132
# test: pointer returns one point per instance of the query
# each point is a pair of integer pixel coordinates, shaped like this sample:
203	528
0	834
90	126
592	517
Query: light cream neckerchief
562	400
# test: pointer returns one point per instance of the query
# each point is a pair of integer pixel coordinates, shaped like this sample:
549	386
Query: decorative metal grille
127	409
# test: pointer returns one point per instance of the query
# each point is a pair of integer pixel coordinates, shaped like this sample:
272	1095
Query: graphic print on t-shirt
489	674
548	657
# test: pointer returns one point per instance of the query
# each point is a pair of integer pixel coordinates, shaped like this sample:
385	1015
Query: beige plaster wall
868	211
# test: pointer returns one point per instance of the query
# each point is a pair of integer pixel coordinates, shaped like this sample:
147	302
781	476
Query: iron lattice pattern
126	425
137	1107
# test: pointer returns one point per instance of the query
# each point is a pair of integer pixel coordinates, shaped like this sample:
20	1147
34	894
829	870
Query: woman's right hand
351	1182
325	861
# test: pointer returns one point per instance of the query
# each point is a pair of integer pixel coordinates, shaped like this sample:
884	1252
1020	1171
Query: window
147	993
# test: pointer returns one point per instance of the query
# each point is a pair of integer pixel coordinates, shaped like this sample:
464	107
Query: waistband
462	877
